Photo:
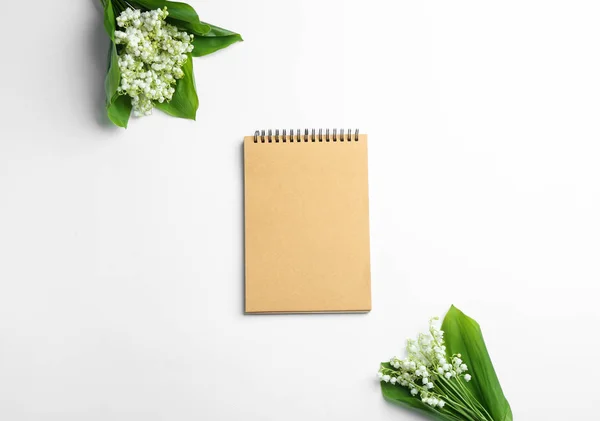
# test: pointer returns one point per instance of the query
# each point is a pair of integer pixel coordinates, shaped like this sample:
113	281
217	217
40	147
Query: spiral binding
263	136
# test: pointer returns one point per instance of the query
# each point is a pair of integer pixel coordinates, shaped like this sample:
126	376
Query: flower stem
469	401
469	395
455	402
448	413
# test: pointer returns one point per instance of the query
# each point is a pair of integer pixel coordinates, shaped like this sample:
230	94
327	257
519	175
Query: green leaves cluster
462	336
207	39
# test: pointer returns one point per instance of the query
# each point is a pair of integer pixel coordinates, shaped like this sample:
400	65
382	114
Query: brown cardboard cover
307	226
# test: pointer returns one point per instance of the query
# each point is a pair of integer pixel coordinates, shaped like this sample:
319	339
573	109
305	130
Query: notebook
306	222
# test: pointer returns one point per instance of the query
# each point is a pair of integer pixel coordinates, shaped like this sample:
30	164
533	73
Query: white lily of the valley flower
427	371
151	59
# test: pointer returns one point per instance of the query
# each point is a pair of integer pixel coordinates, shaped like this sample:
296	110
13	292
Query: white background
121	271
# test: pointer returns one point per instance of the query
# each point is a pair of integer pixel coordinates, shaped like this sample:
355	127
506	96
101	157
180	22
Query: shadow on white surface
243	230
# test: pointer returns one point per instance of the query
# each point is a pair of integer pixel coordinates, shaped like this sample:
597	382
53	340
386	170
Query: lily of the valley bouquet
447	374
150	62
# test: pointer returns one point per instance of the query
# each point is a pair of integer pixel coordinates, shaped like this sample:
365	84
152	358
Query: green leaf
109	19
197	29
119	110
181	15
113	75
184	103
463	336
185	17
182	11
148	4
216	39
401	396
118	107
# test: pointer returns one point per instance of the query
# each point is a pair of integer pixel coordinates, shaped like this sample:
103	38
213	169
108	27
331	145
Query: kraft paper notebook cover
306	222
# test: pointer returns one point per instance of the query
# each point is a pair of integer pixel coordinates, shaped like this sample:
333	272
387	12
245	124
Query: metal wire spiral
262	136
